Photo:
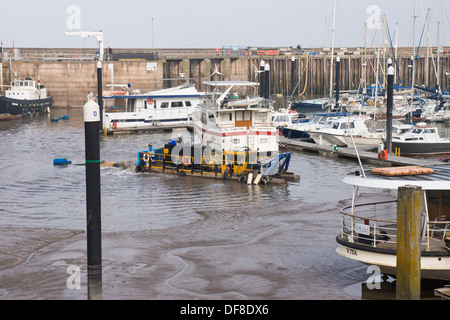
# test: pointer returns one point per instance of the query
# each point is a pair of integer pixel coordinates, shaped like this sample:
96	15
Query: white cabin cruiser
421	139
333	131
369	230
161	109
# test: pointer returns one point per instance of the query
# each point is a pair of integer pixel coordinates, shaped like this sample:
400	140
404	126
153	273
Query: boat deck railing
374	224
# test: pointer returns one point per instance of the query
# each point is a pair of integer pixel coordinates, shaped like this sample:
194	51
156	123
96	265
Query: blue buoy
61	161
64	117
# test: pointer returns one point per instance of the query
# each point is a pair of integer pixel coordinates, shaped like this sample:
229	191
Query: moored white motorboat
333	131
301	129
421	139
160	109
374	137
369	230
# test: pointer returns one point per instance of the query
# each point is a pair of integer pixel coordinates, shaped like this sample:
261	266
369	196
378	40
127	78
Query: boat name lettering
352	251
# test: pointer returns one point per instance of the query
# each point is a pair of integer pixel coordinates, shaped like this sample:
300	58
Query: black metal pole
93	203
262	82
100	92
293	76
338	68
267	80
390	101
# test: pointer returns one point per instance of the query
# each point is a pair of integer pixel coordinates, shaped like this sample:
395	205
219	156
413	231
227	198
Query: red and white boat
232	117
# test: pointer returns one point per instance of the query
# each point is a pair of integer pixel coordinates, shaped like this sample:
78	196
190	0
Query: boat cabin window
188	103
236	141
226	116
177	104
164	105
351	125
264	117
414	139
321	120
276	118
438	202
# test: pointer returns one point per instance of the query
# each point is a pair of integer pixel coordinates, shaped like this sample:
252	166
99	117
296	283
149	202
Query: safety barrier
375	223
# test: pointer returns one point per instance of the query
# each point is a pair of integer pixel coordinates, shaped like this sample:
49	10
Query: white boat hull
326	139
432	267
362	141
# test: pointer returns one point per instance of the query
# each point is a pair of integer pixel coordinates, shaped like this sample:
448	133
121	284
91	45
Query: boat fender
182	173
258	178
186	160
114	125
384	154
225	174
61	161
139	168
264	180
242	178
250	178
229	171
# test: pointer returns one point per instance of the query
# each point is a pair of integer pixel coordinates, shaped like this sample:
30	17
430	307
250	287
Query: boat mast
364	64
413	59
384	51
332	48
396	57
438	49
376	75
428	49
1	68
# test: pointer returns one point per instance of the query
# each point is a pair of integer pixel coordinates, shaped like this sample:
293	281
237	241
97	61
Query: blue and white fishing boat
24	98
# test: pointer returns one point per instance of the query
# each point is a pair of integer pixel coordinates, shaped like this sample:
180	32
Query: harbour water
164	236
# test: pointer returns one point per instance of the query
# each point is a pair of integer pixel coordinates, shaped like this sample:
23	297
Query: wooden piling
409	207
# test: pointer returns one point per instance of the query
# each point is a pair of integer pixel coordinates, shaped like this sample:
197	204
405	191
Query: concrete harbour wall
70	76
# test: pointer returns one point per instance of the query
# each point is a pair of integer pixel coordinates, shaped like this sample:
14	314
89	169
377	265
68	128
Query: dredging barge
244	167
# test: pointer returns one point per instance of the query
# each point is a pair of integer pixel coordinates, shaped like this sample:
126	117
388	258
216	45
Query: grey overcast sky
217	23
